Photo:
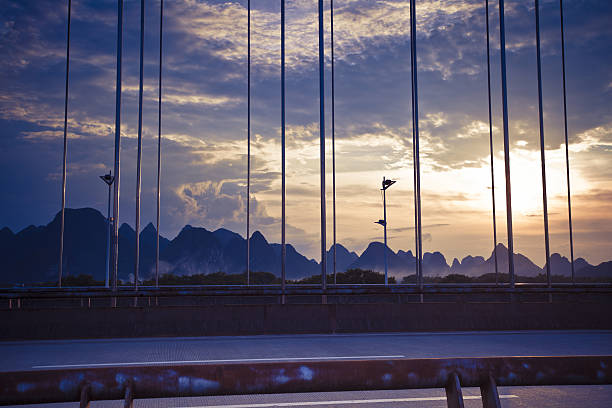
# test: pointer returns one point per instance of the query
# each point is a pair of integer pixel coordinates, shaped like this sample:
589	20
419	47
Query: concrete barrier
305	318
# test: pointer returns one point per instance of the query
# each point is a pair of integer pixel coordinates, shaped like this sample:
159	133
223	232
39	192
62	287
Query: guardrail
275	290
190	380
333	293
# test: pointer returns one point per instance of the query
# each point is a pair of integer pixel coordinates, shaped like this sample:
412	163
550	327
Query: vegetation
217	278
81	280
503	278
351	276
71	281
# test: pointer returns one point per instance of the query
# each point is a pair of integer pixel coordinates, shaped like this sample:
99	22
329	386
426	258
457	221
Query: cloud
205	100
78	169
359	26
204	115
209	203
598	138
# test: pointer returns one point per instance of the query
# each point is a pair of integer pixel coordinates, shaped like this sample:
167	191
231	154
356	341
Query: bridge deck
27	355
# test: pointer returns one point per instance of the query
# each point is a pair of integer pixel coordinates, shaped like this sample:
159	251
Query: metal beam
542	144
567	167
117	169
502	42
491	145
415	143
159	138
64	160
322	145
333	135
283	162
248	192
48	386
139	148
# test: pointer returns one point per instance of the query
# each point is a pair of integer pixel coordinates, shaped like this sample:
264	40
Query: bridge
499	343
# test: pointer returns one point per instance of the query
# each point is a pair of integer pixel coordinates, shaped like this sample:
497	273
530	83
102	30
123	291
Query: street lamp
108	179
386	183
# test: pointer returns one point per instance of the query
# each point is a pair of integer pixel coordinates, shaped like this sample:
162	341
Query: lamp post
386	183
108	179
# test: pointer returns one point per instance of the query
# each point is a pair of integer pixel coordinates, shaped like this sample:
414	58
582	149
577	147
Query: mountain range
31	255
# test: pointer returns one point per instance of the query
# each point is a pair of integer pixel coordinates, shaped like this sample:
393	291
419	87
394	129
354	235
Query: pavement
57	354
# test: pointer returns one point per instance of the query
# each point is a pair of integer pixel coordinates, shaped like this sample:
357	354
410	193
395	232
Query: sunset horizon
204	135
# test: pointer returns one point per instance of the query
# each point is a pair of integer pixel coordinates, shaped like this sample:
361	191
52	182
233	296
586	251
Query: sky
204	117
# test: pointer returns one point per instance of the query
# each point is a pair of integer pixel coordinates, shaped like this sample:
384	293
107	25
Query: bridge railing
16	298
85	384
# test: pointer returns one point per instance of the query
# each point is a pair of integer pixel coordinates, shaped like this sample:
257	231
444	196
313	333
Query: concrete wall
305	318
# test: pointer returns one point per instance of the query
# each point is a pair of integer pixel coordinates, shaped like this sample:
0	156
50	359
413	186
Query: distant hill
373	259
31	255
603	270
344	258
477	266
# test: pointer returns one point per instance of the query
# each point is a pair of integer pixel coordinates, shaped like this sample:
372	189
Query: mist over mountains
31	255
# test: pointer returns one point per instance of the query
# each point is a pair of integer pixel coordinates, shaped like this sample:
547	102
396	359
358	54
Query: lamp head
386	183
108	178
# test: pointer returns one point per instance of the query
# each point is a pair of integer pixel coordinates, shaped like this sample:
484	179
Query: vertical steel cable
414	183
159	127
491	145
61	251
415	130
117	145
542	145
502	41
322	144
567	168
248	198
416	217
139	154
283	193
333	135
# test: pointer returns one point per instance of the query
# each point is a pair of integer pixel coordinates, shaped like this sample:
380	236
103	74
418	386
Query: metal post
248	198
64	162
502	41
322	144
108	180
491	145
542	145
385	228
489	394
386	183
333	130
416	218
117	145
283	190
85	396
139	155
128	398
567	168
159	127
108	237
415	130
454	394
